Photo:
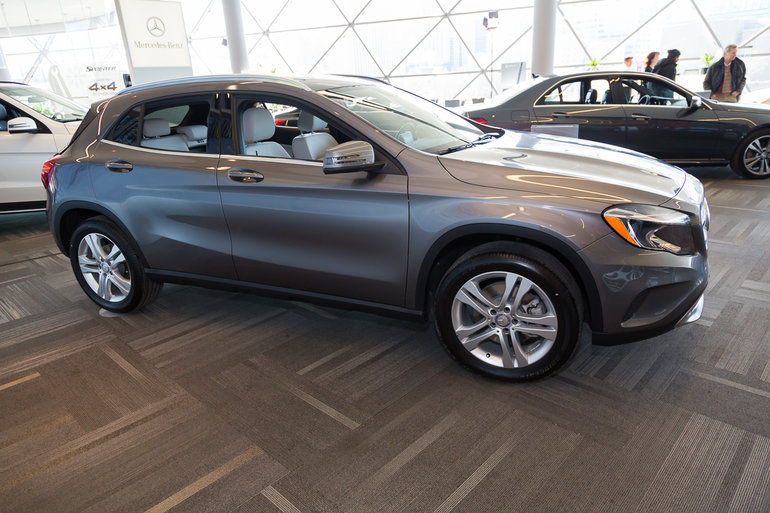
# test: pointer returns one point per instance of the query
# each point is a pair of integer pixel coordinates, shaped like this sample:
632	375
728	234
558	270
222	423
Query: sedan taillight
45	174
480	120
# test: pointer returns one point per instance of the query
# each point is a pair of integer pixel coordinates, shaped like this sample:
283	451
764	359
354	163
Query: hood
566	167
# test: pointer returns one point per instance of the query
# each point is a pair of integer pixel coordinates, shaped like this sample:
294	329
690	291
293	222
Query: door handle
560	115
640	117
118	166
245	175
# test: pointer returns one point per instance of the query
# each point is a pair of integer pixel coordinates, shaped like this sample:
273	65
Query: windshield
46	103
412	120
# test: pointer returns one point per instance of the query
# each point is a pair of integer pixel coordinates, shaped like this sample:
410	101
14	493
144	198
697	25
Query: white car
34	125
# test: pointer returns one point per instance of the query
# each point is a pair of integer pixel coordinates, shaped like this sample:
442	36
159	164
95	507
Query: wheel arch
746	136
453	244
71	214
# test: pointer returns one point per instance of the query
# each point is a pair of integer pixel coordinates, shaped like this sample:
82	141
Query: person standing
651	61
667	67
726	77
628	62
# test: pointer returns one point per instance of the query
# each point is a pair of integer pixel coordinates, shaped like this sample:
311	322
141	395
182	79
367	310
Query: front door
663	123
294	227
22	156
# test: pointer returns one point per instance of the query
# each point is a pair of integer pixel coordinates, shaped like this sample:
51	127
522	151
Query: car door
163	187
23	154
294	227
585	103
662	122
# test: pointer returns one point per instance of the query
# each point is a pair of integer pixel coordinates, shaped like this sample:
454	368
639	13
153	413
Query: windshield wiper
484	138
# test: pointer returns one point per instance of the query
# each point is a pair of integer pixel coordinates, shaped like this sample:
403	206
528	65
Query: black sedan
641	111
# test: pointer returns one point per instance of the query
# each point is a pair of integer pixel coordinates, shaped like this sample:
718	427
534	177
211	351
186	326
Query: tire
752	158
108	268
509	311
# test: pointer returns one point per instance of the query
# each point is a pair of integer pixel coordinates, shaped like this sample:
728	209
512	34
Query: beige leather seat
257	126
194	135
311	145
156	133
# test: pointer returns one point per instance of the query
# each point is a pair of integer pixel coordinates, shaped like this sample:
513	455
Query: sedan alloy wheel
756	156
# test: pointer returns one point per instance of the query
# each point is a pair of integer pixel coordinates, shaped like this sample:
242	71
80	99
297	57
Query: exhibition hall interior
325	256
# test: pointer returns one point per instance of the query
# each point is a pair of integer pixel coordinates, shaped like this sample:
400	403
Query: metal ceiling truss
352	22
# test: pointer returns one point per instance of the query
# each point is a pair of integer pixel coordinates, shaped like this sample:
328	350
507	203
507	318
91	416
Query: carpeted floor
214	401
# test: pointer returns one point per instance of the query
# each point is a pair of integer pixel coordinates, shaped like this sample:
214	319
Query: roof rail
366	77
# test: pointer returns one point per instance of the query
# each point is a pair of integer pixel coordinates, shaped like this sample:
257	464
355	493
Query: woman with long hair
651	61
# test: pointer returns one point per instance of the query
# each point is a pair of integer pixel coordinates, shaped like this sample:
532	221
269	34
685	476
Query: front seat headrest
258	125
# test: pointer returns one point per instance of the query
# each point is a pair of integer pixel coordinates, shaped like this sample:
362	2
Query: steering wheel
403	129
58	116
644	100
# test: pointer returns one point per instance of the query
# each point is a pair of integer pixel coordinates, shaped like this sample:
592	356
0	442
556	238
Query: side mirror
696	102
21	125
350	157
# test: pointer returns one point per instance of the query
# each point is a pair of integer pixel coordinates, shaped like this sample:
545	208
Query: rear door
586	103
163	187
294	227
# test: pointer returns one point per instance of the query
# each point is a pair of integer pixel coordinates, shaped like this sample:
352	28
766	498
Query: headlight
651	227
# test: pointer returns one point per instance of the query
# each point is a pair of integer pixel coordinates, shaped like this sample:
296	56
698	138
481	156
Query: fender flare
68	206
547	241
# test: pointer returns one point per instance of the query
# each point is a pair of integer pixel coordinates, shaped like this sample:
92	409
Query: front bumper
644	293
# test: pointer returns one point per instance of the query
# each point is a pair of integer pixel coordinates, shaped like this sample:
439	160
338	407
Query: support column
4	73
543	37
236	42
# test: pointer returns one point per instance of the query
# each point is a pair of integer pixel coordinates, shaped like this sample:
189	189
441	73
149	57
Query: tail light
45	174
480	120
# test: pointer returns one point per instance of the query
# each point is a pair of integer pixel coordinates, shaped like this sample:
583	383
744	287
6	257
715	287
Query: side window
599	91
568	92
126	131
172	125
652	92
6	113
268	128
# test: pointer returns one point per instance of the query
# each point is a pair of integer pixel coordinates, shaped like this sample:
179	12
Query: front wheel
108	268
752	159
512	314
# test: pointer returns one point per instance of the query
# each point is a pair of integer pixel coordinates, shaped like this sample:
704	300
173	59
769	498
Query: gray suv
353	192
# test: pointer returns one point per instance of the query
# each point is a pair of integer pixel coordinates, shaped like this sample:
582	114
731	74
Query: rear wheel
512	313
108	267
752	159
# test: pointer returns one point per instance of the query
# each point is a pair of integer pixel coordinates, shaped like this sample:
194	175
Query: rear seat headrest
193	132
155	128
309	123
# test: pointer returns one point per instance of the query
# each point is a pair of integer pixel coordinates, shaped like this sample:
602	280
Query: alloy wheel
104	268
756	156
504	319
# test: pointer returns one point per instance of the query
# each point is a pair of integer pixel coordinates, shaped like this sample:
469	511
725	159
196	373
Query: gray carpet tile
216	401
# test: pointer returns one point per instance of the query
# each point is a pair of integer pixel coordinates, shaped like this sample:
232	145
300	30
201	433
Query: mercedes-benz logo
155	26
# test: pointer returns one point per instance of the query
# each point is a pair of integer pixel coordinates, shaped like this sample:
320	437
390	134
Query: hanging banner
155	39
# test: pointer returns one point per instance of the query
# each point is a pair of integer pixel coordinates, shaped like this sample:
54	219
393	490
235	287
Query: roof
307	83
